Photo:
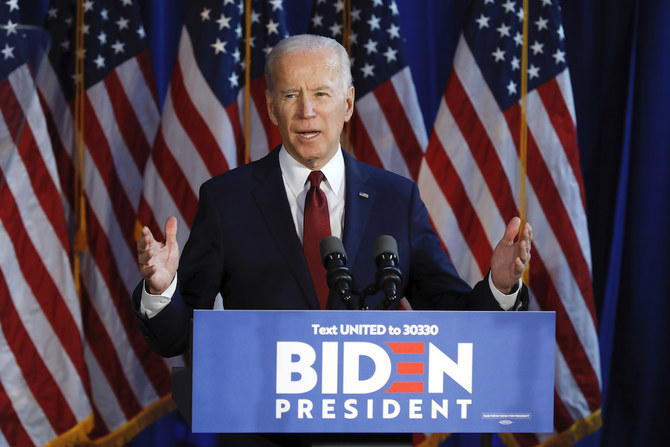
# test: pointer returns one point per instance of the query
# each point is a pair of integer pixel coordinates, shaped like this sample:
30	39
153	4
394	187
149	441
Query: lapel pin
365	195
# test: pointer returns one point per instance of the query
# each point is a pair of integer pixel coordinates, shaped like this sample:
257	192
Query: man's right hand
158	262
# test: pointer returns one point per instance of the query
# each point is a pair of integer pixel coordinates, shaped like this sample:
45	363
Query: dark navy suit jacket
244	245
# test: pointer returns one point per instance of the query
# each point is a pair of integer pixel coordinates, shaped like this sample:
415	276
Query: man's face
310	104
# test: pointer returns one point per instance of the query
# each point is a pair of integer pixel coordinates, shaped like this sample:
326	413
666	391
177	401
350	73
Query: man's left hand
510	258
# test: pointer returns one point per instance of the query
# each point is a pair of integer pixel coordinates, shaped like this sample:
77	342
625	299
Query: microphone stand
340	280
362	299
369	290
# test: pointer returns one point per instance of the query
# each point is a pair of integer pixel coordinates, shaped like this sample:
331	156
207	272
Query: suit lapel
270	196
359	199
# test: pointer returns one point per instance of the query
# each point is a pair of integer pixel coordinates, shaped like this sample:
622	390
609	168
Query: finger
171	230
526	233
511	231
143	258
524	252
529	238
519	267
146	239
148	271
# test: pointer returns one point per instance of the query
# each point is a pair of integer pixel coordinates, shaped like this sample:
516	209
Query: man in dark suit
247	239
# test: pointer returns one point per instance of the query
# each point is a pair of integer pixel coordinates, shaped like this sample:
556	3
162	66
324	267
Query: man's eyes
317	94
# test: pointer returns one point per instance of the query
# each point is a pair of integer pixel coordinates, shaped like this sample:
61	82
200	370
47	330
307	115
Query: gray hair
311	43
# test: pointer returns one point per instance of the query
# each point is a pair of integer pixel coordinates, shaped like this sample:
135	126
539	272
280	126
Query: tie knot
315	178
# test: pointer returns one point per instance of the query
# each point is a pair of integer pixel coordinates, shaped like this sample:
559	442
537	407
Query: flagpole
523	140
247	78
346	25
346	43
79	198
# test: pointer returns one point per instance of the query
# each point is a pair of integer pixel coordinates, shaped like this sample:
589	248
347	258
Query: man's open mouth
309	134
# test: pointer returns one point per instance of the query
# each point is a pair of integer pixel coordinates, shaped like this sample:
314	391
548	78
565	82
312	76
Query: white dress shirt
296	184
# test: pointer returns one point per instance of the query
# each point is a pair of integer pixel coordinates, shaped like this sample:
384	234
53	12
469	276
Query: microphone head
330	245
385	244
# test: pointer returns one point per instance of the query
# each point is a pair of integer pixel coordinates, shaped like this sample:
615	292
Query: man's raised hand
158	261
510	258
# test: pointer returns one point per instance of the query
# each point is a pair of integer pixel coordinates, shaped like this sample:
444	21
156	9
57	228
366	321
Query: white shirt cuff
151	304
505	301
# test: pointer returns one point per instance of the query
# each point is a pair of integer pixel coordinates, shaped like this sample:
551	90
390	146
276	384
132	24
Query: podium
368	372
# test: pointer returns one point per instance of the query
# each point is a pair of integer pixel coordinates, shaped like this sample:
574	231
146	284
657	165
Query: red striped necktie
316	227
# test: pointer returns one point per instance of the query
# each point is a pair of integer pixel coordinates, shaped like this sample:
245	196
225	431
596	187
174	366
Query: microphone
338	276
388	275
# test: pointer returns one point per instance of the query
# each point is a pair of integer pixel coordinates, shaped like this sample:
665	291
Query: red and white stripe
44	385
470	183
120	121
198	138
387	128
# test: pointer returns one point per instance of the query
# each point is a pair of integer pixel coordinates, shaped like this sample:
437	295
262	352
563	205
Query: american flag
44	384
202	130
470	181
129	385
387	128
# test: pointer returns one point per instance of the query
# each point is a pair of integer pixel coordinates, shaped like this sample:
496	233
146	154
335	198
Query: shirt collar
295	174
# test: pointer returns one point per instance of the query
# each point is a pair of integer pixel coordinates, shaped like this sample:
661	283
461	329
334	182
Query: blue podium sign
381	371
